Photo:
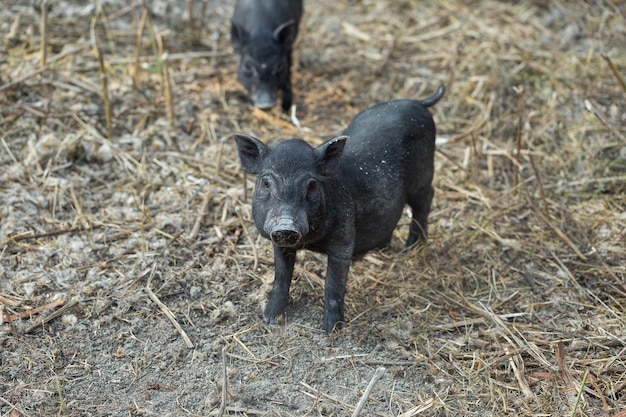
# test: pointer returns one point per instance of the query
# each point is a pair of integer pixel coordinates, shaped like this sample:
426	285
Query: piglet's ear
238	36
285	34
251	152
329	152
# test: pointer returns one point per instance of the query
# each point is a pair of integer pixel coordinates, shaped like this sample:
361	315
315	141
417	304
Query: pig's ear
329	153
251	152
238	36
285	34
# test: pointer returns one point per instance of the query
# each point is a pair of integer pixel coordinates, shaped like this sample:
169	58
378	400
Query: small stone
195	292
69	319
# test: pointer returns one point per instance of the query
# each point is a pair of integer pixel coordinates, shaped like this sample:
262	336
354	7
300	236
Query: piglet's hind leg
419	202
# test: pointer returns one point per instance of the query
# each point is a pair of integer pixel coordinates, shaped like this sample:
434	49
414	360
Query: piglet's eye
312	189
264	184
248	69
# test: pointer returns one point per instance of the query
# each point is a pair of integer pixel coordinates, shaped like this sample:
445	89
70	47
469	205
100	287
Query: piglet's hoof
332	324
268	320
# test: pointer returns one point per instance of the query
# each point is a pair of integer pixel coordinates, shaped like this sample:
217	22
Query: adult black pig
263	33
343	197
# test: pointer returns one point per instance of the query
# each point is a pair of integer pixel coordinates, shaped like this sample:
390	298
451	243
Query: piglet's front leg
284	259
335	291
287	94
286	86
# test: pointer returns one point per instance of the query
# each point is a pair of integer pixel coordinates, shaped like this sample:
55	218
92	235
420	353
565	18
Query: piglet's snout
284	237
285	232
264	99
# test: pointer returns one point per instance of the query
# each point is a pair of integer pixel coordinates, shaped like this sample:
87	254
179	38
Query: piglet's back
261	17
384	125
388	155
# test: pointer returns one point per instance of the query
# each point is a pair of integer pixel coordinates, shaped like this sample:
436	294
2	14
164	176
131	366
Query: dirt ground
117	225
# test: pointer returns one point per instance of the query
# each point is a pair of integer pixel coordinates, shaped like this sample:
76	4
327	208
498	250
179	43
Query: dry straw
119	165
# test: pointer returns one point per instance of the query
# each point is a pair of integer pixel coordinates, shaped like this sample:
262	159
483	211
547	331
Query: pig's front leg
335	291
284	259
287	96
286	87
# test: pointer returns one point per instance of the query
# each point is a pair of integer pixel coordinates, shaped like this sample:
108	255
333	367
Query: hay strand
615	72
378	374
526	227
51	316
168	313
43	32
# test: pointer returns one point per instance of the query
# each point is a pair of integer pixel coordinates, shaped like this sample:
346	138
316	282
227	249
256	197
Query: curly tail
434	98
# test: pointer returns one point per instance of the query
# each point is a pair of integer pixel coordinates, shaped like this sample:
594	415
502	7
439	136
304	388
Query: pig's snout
286	237
286	233
264	100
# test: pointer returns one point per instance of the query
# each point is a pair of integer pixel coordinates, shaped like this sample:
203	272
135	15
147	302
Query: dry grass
515	307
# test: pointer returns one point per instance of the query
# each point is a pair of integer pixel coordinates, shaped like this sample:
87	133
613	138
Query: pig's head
264	61
290	199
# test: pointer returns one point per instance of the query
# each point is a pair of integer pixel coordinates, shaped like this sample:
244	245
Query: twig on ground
51	316
243	345
514	339
247	411
517	365
179	56
558	231
224	383
205	203
378	374
30	313
605	406
296	122
125	158
166	82
565	375
617	280
15	411
319	393
519	129
6	299
451	159
44	68
542	193
388	50
30	236
580	393
419	408
140	29
193	36
8	150
104	80
615	72
254	360
168	313
252	245
270	118
593	109
43	32
566	271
